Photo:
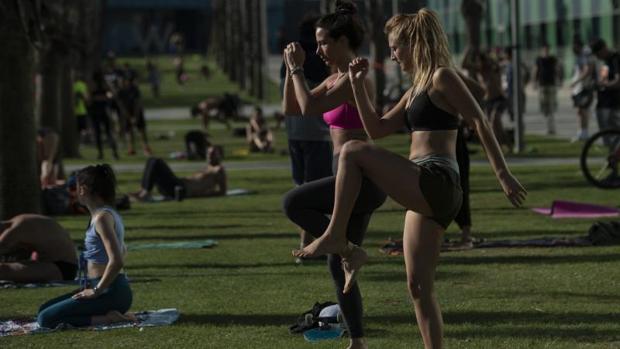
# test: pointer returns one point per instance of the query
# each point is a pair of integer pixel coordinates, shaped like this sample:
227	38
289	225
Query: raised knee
352	148
289	203
44	319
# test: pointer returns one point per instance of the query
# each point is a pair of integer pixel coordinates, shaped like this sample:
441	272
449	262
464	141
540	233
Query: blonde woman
426	184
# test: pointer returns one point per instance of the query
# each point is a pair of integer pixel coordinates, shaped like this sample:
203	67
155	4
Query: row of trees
239	37
58	40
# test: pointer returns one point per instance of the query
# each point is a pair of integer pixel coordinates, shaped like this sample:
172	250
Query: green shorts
440	185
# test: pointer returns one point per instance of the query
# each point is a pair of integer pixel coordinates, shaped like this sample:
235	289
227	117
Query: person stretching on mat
105	294
426	184
35	248
338	36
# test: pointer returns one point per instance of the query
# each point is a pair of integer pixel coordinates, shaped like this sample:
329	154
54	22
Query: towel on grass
5	284
172	245
571	209
161	317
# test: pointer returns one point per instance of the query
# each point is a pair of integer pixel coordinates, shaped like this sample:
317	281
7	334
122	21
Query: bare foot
352	261
115	316
323	245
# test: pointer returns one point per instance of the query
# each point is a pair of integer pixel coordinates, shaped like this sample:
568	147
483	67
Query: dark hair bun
345	7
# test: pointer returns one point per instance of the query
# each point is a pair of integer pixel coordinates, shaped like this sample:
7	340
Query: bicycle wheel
600	157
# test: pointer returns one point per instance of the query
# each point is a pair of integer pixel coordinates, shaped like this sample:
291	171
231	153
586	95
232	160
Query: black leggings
308	206
463	218
158	173
101	117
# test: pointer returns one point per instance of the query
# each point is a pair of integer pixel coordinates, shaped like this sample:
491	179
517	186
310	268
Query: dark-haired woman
105	295
339	35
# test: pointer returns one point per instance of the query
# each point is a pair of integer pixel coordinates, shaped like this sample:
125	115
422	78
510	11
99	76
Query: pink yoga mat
571	209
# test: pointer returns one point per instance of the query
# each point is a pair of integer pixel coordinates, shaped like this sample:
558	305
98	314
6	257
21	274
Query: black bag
604	233
310	319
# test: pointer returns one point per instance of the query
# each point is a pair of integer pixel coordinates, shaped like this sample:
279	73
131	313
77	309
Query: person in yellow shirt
81	98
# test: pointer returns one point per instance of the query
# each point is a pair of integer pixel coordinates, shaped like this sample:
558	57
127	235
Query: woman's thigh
396	176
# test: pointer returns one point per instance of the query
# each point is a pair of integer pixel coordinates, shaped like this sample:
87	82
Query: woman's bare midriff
341	136
425	143
96	270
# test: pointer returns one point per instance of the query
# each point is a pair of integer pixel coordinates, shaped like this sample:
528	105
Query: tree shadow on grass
207	235
449	259
526	324
239	319
210	266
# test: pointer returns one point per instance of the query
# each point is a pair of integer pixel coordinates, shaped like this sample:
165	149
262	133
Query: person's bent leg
164	178
422	239
85	312
393	174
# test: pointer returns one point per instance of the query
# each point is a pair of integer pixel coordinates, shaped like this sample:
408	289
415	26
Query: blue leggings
78	313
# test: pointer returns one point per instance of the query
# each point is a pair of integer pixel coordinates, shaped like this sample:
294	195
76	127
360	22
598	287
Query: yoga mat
238	191
172	245
571	209
151	318
12	284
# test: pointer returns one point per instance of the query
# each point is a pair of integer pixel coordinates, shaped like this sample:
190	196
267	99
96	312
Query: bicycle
600	158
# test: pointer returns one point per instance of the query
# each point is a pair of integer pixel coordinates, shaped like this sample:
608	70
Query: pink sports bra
344	116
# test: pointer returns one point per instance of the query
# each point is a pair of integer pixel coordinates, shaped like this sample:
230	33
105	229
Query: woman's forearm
302	93
370	119
109	274
289	100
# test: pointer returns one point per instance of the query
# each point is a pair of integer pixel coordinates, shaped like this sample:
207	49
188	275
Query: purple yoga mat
571	209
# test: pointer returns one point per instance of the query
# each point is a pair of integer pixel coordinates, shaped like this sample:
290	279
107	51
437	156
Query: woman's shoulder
445	79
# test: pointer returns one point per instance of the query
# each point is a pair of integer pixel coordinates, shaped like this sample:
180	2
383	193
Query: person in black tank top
426	184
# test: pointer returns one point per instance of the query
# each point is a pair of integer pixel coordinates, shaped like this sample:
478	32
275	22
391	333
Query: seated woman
258	133
56	257
211	181
105	294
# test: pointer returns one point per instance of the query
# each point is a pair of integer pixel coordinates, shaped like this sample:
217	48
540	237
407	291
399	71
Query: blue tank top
94	250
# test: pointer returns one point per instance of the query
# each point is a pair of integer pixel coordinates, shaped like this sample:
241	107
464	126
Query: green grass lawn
245	292
195	89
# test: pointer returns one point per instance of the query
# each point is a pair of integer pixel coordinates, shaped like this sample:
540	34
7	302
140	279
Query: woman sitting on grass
105	294
211	181
258	133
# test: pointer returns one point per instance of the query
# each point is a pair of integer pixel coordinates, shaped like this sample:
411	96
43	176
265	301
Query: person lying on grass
211	181
35	248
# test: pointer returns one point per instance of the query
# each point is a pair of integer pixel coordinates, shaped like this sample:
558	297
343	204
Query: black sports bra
424	115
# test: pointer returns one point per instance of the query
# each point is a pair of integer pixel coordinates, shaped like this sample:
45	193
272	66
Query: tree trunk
375	21
19	186
50	93
472	11
68	135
